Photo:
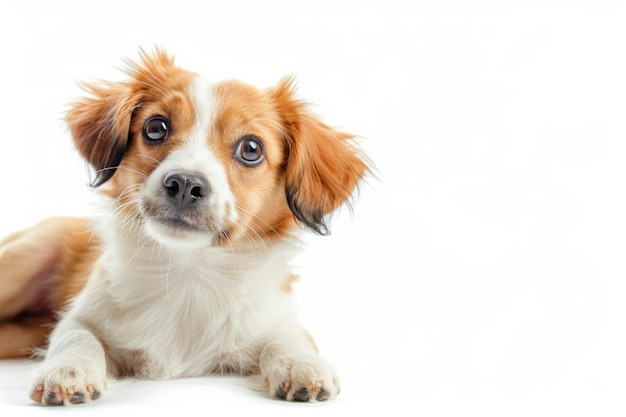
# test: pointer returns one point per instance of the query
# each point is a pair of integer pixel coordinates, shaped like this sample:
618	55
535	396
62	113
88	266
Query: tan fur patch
287	284
61	253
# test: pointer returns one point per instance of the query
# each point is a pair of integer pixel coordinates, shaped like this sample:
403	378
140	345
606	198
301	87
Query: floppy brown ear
323	166
100	127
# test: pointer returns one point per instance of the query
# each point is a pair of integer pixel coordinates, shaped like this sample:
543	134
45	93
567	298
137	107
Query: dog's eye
155	129
249	150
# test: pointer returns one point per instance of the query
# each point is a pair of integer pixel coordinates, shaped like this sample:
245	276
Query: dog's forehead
226	103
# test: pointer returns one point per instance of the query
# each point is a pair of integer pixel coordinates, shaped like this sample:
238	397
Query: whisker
145	155
254	219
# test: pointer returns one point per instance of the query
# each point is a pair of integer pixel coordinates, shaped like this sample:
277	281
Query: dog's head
205	164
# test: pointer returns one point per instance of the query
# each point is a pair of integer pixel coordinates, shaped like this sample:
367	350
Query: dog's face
204	164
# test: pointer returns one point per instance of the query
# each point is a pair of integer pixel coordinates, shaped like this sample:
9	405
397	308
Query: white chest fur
162	313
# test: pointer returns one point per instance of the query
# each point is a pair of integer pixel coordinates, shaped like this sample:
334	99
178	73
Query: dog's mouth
181	231
179	224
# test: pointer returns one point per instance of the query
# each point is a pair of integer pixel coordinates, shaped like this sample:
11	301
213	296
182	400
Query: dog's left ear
323	166
100	127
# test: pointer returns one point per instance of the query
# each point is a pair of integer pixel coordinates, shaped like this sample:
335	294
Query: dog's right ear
100	126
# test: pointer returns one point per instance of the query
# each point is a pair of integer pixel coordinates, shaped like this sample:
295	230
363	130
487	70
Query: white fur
157	307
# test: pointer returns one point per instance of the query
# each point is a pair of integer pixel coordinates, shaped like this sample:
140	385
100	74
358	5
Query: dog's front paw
65	385
302	379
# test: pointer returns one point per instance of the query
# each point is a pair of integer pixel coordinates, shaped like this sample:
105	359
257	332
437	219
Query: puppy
188	272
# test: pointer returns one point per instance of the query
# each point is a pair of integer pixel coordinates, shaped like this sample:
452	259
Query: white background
482	272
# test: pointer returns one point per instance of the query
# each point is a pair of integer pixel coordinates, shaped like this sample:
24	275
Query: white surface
482	273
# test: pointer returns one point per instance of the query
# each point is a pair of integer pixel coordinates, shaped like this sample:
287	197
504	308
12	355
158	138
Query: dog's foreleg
74	370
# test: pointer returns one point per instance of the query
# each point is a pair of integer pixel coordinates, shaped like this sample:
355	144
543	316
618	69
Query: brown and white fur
188	272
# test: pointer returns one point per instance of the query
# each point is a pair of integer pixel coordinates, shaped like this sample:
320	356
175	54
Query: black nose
185	188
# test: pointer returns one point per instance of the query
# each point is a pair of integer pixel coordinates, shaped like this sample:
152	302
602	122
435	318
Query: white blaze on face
195	155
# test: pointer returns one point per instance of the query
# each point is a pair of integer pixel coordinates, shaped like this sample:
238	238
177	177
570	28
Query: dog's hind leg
41	268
